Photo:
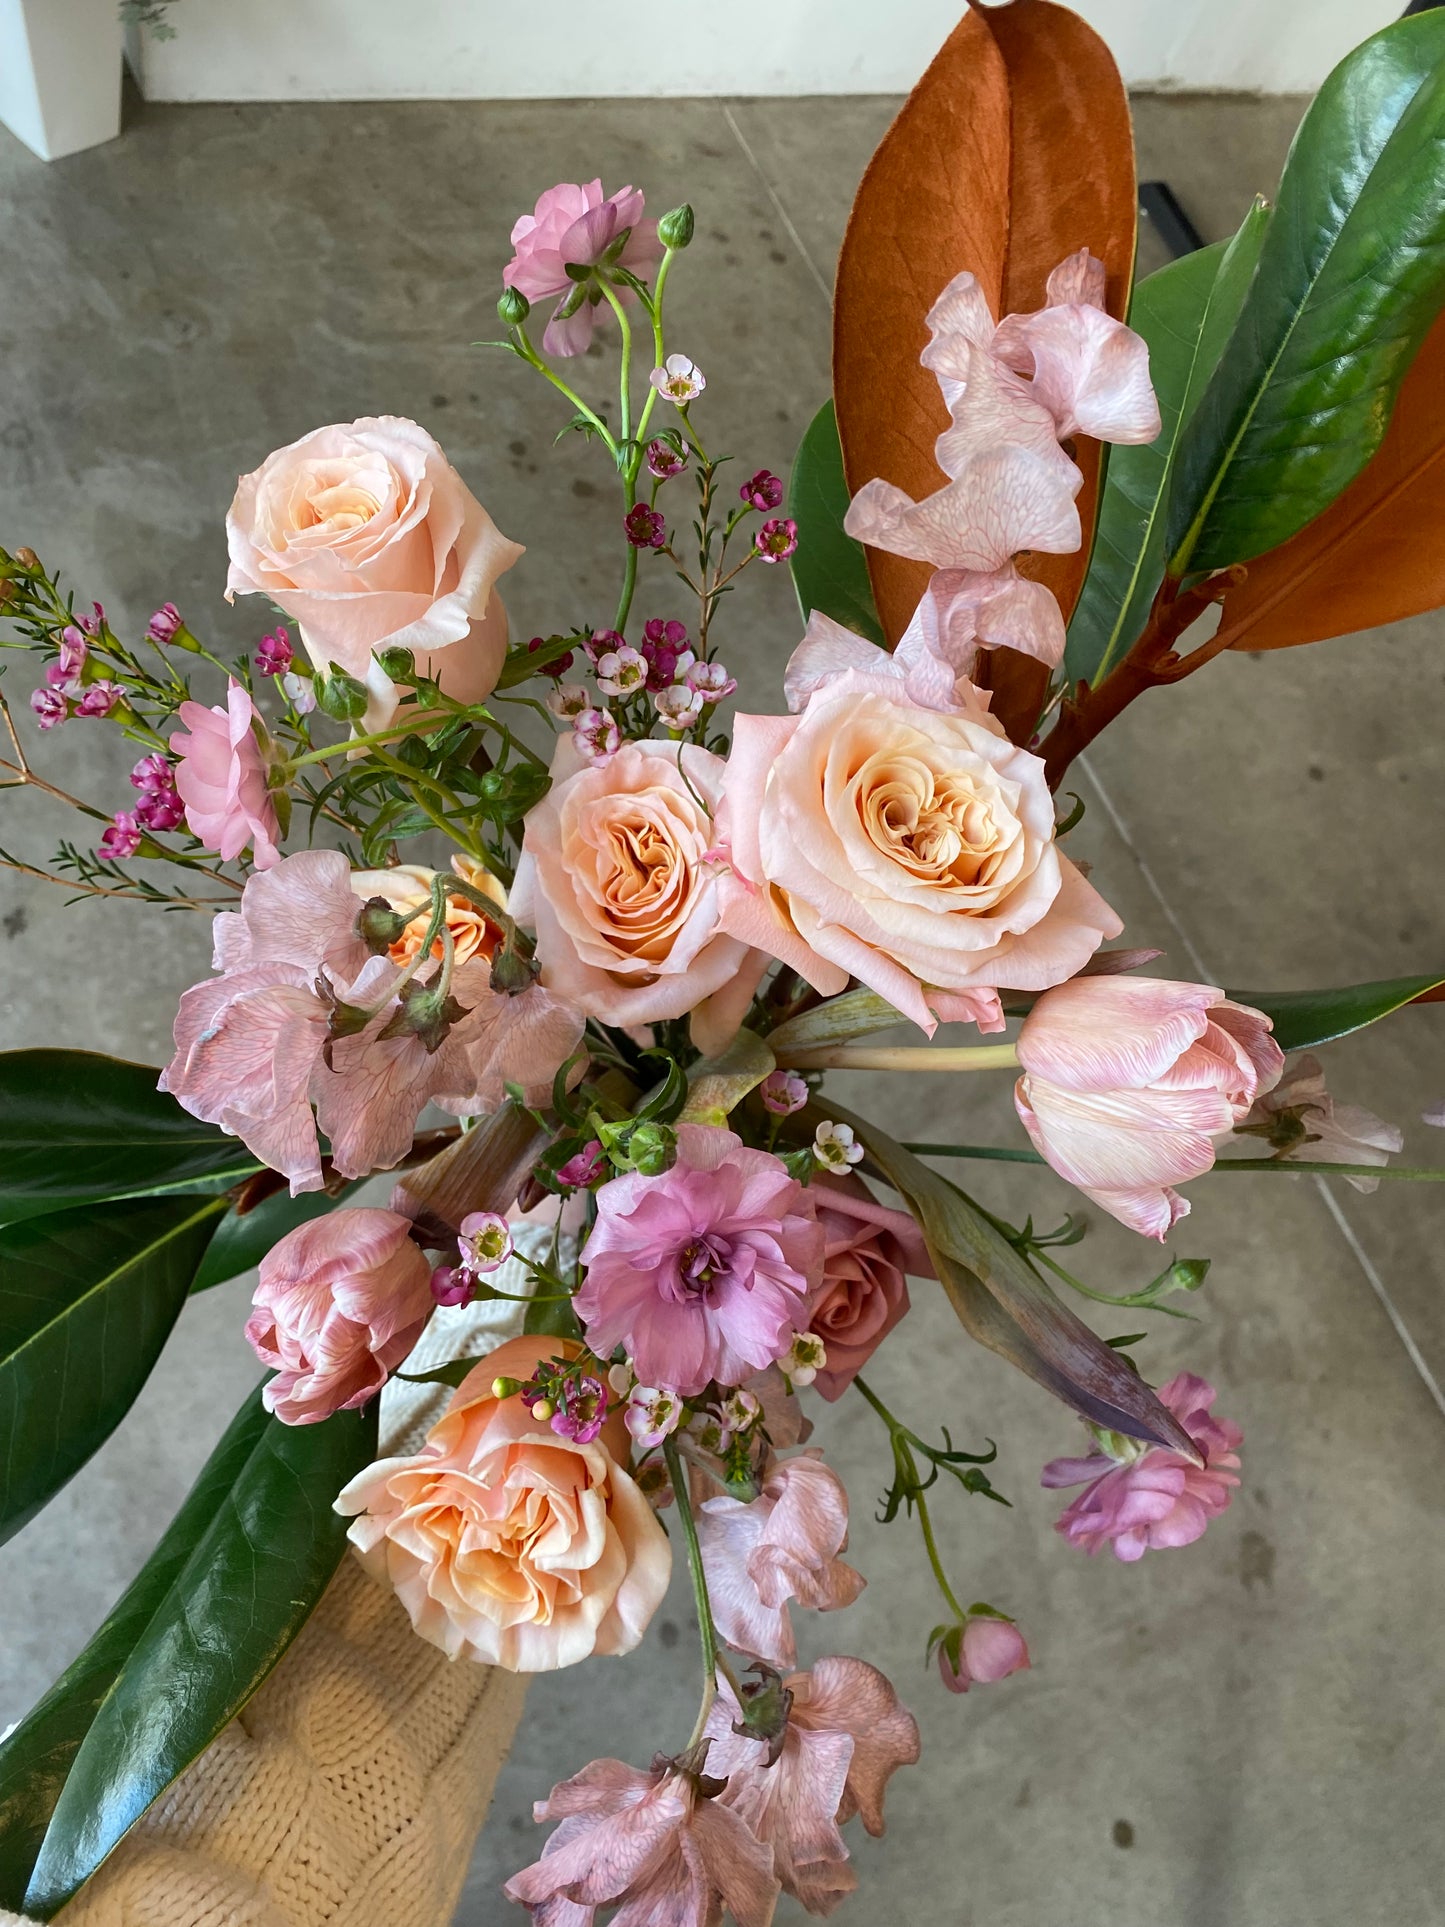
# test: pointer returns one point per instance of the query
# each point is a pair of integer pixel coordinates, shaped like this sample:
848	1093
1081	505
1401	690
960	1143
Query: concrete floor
1242	1735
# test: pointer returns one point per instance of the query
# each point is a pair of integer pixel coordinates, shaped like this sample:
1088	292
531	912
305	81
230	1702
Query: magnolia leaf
1185	312
87	1300
830	570
1375	555
1006	1306
1305	1019
857	1013
1351	278
716	1085
37	1756
255	1573
1013	151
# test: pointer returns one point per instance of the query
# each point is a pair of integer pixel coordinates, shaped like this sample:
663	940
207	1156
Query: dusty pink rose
508	1542
704	1272
869	1251
655	1845
367	537
981	1651
846	1736
1139	1498
574	225
782	1545
909	846
1129	1081
251	1043
340	1303
618	881
1300	1119
221	777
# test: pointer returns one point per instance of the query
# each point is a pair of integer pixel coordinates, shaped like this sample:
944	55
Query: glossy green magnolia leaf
830	573
75	1126
36	1758
1185	312
1304	1019
241	1243
87	1300
1004	1305
1350	278
226	1618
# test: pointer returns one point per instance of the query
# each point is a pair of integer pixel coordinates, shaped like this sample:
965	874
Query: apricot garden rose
507	1542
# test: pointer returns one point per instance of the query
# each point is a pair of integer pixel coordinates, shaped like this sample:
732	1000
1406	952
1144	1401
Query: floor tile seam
819	278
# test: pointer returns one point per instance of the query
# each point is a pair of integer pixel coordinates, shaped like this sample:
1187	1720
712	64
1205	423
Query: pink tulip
1129	1082
574	226
782	1545
1140	1498
221	777
340	1303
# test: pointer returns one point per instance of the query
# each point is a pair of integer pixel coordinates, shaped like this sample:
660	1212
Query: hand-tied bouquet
644	951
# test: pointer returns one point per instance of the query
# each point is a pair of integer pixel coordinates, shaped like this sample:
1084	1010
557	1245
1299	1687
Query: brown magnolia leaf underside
1376	554
1013	151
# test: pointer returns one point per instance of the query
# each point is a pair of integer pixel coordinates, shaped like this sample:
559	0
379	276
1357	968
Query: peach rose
506	1542
869	1252
368	538
617	881
909	847
408	886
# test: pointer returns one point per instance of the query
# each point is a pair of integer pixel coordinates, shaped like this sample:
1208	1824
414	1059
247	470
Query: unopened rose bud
342	696
513	307
675	229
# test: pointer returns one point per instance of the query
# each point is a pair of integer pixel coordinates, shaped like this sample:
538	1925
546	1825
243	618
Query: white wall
60	73
530	49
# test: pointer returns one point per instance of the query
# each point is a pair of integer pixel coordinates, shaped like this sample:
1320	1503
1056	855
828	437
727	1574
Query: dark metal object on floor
1158	201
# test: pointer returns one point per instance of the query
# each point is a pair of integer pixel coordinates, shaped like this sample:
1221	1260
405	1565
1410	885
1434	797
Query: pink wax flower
160	810
654	1844
95	621
782	1545
164	624
585	1167
154	773
669	656
595	736
583	1409
453	1285
846	1736
340	1303
653	1413
762	491
664	461
123	838
702	1273
568	701
869	1252
985	1650
783	1092
1300	1119
599	642
70	654
777	539
678	707
645	528
558	666
679	379
1129	1081
50	706
576	225
99	698
221	777
274	653
711	681
1140	1498
486	1241
621	671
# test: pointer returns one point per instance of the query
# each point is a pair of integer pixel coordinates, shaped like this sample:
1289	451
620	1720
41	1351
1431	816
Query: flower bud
399	664
675	229
514	307
27	558
342	696
506	1387
512	973
379	926
653	1148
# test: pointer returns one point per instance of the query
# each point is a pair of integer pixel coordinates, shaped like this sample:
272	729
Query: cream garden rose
618	881
507	1542
367	537
908	846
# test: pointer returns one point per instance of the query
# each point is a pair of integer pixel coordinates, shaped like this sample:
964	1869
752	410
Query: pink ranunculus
573	225
221	777
656	1845
869	1251
1300	1119
340	1303
1129	1082
989	1649
1140	1498
846	1736
896	835
367	537
617	879
704	1272
508	1541
783	1545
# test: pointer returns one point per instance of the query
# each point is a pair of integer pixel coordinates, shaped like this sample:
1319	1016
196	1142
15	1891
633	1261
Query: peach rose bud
340	1303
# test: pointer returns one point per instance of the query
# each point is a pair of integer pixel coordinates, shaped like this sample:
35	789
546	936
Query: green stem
624	380
533	359
905	1057
1411	1174
898	1437
707	1631
429	721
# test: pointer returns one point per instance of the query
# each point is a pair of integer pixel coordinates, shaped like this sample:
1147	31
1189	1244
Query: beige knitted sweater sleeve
350	1791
